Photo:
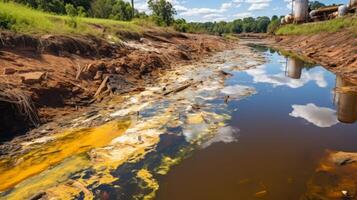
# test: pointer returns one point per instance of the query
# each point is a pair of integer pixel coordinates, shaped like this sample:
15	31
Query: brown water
285	129
263	142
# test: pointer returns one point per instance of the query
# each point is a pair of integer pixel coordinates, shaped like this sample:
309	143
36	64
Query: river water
250	123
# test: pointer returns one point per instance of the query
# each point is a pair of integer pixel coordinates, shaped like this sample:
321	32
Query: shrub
6	21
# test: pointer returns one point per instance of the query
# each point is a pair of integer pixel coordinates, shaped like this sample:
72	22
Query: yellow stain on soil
67	144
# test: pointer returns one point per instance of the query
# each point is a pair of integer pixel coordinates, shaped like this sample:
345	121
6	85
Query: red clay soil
335	51
61	74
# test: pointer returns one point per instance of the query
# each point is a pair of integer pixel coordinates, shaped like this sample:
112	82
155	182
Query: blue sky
228	10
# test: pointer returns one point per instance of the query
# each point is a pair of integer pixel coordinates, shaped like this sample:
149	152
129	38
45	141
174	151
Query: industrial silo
301	10
346	103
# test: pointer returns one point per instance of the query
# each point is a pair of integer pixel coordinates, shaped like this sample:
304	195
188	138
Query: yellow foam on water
15	170
50	178
195	118
151	183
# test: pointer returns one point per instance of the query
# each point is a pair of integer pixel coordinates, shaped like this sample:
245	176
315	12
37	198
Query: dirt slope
57	75
335	51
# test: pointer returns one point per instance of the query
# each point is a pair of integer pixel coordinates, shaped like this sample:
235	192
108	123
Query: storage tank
346	103
295	67
282	21
301	10
288	19
342	10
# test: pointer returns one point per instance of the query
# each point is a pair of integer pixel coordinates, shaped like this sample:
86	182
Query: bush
181	25
71	10
6	21
273	26
72	13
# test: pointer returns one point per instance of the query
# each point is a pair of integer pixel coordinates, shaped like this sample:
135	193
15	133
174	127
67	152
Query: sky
228	10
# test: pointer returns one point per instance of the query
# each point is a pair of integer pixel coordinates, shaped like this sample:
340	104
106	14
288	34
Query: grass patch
230	37
22	19
330	26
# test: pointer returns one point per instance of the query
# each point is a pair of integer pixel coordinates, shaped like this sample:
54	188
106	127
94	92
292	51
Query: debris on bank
59	75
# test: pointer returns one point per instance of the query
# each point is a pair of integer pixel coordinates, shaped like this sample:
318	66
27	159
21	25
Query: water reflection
346	102
261	74
294	68
319	116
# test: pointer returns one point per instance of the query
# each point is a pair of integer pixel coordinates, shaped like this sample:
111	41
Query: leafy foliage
163	12
315	5
246	25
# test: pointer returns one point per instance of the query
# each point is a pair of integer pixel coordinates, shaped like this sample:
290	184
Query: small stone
9	71
32	77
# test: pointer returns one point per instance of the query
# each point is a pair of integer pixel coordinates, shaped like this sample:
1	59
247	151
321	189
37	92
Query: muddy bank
335	51
62	74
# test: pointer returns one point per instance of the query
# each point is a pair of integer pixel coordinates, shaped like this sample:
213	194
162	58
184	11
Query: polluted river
246	123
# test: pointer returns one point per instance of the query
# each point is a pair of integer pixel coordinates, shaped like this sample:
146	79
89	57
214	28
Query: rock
9	71
32	77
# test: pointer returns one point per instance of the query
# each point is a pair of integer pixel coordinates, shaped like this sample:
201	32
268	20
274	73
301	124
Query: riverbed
246	123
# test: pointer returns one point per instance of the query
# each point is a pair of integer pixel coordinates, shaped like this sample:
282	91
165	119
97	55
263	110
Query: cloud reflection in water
261	75
319	116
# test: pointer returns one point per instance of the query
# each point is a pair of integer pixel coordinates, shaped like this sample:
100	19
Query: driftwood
179	89
79	71
102	86
78	85
22	102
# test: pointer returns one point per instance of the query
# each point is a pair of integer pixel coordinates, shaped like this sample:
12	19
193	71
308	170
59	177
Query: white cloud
319	116
258	6
243	15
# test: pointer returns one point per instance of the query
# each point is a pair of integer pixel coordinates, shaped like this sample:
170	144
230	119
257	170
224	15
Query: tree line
162	11
245	25
163	14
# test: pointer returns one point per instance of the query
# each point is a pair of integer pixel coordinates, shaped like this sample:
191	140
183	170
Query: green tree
113	9
122	11
102	8
262	24
315	5
162	11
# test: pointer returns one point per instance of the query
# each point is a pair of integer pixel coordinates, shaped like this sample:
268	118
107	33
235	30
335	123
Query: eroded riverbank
245	123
